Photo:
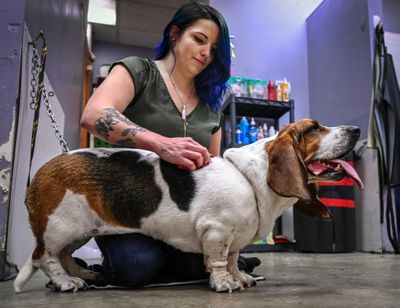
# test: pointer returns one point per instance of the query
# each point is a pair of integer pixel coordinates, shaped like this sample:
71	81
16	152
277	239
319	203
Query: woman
170	106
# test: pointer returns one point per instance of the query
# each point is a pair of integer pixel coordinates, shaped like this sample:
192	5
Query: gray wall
108	53
339	63
11	25
63	23
271	43
391	15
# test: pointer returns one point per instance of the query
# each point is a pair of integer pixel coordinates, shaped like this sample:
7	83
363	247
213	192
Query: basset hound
216	210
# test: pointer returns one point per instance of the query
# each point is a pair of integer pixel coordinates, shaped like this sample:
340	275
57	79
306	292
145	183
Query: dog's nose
354	130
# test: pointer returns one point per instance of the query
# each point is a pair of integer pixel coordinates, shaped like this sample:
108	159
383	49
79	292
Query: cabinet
234	108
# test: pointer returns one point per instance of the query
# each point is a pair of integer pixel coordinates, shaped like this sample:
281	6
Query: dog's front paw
70	284
223	281
246	279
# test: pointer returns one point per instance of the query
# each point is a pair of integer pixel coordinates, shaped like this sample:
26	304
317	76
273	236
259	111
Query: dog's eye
316	128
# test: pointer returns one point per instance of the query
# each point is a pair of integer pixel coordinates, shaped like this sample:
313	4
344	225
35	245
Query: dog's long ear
287	174
314	209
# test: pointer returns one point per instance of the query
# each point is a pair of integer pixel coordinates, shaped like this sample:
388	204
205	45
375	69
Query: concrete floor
309	280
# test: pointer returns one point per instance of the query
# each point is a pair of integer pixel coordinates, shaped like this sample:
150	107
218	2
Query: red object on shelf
271	91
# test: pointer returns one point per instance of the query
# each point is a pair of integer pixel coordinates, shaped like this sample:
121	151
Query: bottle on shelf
238	135
285	90
260	134
278	91
271	91
253	131
244	127
271	131
265	129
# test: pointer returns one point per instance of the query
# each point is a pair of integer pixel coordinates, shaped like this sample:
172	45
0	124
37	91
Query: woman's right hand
182	151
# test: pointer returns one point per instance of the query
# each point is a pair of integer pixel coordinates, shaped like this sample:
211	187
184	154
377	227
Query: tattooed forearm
127	143
116	116
113	117
132	130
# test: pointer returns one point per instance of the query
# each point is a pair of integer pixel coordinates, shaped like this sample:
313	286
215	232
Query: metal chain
36	68
34	80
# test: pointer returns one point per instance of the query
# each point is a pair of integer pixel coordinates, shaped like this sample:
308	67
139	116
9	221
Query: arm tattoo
104	126
133	131
126	143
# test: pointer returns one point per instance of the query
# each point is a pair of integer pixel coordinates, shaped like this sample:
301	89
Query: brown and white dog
216	210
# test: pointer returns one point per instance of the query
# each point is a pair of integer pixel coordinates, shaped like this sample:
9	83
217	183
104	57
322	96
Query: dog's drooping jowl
216	210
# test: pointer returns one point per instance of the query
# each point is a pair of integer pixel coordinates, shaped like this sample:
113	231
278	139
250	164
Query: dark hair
211	82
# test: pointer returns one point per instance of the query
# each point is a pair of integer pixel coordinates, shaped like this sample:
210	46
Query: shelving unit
238	106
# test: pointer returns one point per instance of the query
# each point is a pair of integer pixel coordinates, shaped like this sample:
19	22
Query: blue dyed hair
211	82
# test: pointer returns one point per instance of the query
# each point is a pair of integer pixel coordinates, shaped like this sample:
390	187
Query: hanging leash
385	181
39	91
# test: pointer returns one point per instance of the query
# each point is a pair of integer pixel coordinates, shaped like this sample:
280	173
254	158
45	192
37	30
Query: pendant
185	124
184	112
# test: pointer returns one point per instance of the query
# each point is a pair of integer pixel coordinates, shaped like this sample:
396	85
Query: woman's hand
183	152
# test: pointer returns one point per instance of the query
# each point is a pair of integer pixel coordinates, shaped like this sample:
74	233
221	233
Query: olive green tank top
153	108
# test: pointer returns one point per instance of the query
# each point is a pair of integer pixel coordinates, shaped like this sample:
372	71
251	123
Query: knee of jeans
134	267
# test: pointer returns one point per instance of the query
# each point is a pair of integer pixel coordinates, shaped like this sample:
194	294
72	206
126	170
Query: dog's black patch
181	184
128	187
299	136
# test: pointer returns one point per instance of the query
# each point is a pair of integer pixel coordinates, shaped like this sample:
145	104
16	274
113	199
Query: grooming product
244	127
285	90
271	90
260	134
253	131
238	136
278	91
265	130
271	131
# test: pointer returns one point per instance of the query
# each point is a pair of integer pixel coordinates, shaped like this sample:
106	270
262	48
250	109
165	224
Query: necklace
184	107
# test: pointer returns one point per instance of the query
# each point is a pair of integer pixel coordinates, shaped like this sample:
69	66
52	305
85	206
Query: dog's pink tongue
350	171
317	168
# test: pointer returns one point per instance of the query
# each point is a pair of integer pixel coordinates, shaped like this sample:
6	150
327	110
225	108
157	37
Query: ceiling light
102	12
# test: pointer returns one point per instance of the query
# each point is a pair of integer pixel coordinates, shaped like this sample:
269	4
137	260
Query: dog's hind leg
69	264
56	239
216	243
246	279
51	266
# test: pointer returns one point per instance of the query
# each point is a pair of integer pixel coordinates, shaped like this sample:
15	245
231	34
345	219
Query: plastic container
271	91
238	136
250	87
278	91
244	127
265	129
260	134
253	131
271	131
285	90
257	89
238	86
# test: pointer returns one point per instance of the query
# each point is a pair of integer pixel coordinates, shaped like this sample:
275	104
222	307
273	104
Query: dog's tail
24	275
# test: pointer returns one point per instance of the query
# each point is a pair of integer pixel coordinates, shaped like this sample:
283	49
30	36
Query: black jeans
137	260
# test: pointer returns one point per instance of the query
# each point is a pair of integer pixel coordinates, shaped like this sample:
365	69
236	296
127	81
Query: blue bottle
238	135
244	127
253	131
